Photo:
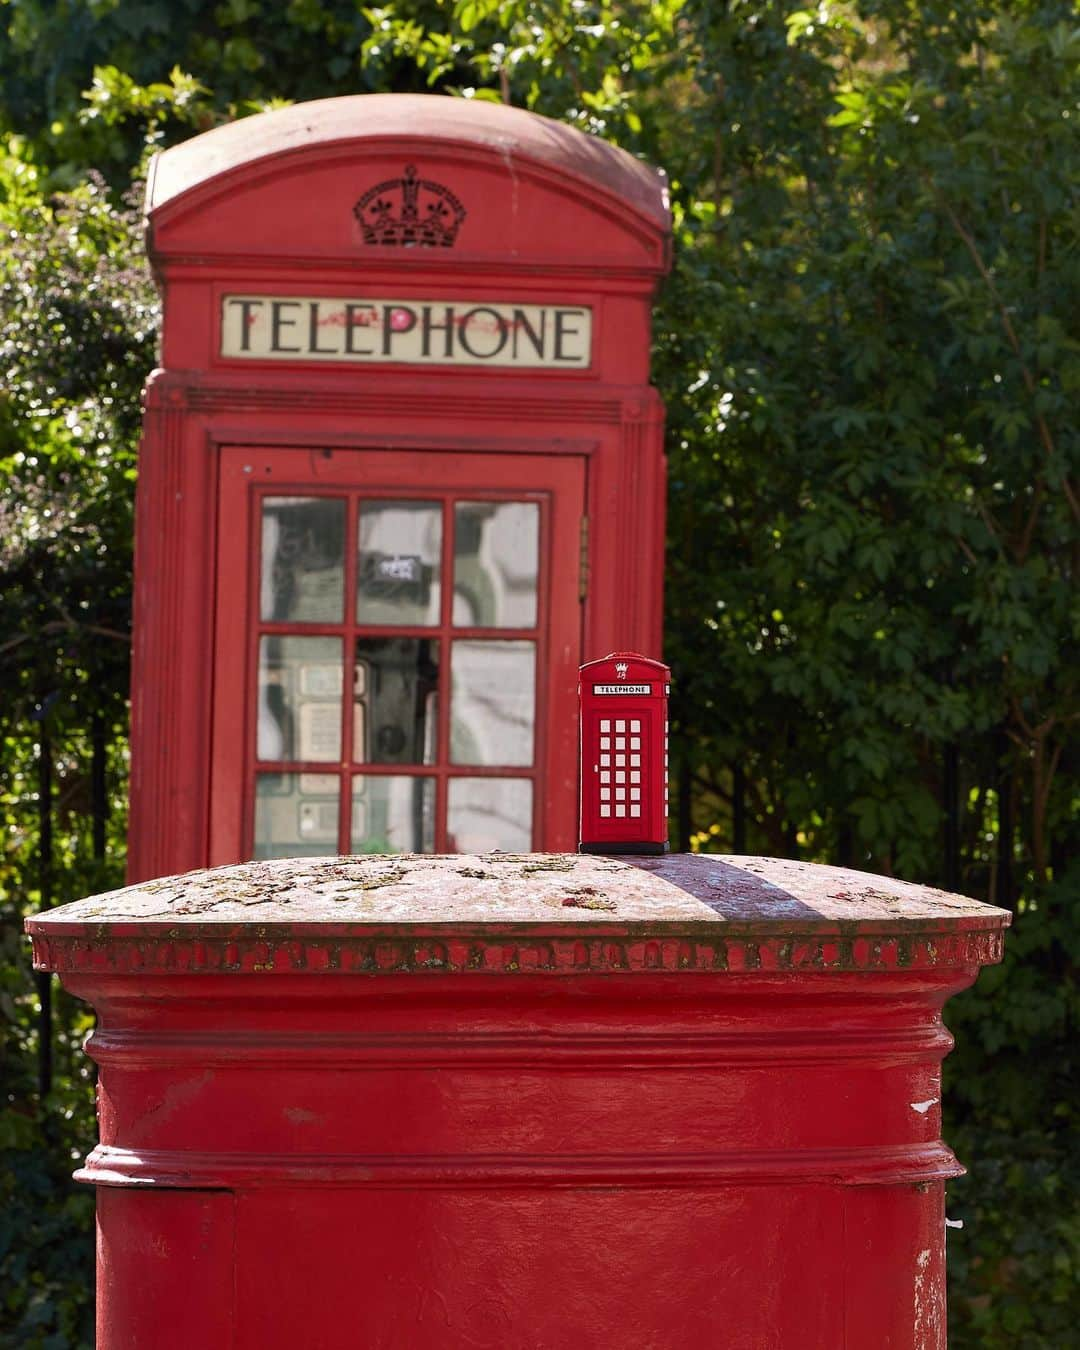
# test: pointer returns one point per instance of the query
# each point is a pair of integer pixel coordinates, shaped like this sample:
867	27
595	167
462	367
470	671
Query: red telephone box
401	466
624	754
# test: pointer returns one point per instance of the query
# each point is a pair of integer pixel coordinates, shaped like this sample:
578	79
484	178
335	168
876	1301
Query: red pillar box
624	754
519	1101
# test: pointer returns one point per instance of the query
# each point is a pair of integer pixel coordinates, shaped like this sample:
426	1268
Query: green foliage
46	1220
870	360
78	319
181	64
1013	1108
77	324
856	391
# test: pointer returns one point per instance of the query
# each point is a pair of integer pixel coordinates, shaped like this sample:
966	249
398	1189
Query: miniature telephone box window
426	611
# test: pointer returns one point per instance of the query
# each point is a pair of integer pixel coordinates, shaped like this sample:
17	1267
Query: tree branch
967	239
65	625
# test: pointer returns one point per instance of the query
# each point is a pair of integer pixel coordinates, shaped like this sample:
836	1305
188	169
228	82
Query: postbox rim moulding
516	137
711	911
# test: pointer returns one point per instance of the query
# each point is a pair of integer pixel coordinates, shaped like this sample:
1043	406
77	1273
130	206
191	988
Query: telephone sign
291	328
623	702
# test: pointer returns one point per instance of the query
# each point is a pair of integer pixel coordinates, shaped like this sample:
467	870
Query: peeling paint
927	1309
923	1107
585	897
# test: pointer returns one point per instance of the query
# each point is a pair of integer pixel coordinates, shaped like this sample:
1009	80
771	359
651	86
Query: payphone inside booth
401	466
394	680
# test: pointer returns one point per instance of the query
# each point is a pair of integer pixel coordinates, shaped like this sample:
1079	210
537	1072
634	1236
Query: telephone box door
398	636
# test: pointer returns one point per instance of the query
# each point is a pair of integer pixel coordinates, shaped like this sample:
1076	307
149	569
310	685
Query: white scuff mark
923	1107
954	1223
927	1310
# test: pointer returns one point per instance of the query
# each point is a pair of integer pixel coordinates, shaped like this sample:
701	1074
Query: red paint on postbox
623	701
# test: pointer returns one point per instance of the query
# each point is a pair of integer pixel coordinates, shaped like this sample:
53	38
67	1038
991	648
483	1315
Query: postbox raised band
451	952
871	1166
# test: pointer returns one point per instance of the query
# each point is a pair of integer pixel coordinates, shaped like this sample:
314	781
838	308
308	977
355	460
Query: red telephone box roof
510	134
633	660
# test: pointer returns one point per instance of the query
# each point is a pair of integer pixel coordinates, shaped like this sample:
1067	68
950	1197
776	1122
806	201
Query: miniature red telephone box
401	466
624	754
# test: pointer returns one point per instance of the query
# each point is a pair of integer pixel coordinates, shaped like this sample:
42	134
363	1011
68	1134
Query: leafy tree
77	329
200	59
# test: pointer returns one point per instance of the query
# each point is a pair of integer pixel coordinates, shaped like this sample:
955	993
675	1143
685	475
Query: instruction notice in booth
423	332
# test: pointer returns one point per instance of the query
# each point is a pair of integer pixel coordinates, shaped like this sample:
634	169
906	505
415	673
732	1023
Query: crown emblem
409	211
621	668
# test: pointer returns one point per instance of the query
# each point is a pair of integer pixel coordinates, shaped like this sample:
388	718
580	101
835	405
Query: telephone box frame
299	172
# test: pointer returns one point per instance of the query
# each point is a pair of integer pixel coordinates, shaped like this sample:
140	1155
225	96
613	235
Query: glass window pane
303	559
399	563
395	700
393	814
492	702
296	814
496	555
487	813
299	698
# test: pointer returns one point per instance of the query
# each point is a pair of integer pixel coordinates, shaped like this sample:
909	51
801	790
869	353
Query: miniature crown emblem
409	211
621	667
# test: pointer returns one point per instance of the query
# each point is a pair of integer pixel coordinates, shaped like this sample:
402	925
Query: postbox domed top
509	134
763	913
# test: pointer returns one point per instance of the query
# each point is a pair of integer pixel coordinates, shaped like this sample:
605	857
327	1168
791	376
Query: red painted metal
623	702
268	206
520	1101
